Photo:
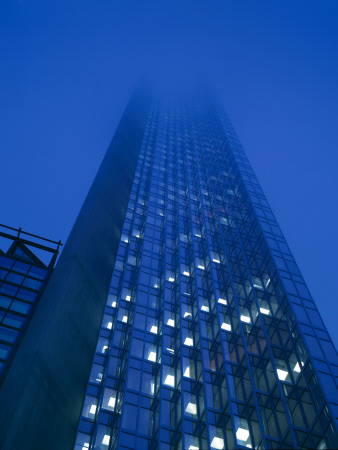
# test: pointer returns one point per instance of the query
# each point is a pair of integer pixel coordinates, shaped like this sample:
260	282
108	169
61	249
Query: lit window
107	321
153	329
193	447
245	319
111	300
126	294
223	220
242	434
216	260
170	380
183	237
222	301
264	311
125	319
296	368
171	322
155	282
205	308
89	407
187	372
96	374
189	342
152	356
132	260
201	267
171	350
217	443
282	374
104	348
171	279
186	314
187	274
106	439
257	283
226	326
191	408
112	402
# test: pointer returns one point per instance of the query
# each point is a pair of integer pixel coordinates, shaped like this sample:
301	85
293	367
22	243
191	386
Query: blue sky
68	67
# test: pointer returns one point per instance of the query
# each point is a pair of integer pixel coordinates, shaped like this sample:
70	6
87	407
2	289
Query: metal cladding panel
42	395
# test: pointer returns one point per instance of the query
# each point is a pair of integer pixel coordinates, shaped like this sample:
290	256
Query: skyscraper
209	338
180	318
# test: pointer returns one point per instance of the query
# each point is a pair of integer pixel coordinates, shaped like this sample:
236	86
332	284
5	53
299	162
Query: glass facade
209	337
22	278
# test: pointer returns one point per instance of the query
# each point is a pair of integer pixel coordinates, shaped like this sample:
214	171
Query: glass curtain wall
201	345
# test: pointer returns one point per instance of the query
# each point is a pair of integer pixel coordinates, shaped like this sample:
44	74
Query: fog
68	68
